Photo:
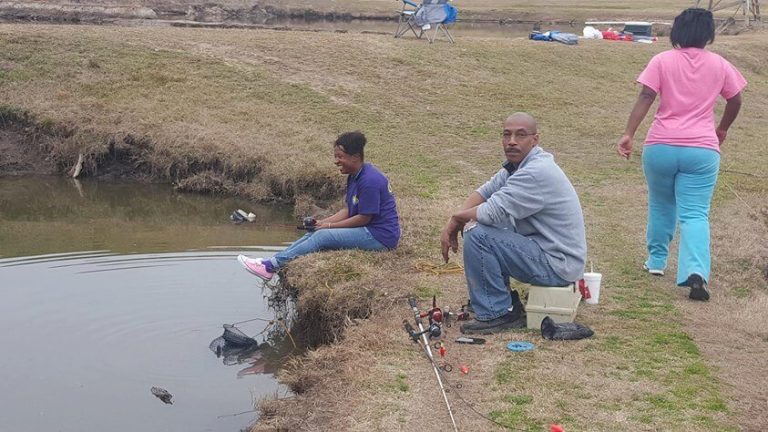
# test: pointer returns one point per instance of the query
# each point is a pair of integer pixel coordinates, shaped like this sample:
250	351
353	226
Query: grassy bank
255	112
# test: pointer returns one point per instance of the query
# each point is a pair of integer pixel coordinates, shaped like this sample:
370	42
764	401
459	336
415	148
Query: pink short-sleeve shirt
688	82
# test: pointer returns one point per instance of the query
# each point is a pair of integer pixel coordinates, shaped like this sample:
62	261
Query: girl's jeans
328	239
681	181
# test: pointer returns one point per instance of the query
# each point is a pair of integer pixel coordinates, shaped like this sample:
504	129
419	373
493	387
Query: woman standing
681	156
369	221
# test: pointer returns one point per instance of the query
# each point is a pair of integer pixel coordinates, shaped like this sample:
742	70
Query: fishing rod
421	339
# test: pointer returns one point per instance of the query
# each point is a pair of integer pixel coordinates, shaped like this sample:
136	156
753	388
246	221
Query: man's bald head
520	135
526	119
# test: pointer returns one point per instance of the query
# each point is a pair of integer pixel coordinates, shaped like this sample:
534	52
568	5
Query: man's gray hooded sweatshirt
538	199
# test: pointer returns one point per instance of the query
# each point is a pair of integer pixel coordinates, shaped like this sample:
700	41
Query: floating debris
162	394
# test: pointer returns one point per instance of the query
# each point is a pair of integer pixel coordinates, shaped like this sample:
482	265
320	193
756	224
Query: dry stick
78	166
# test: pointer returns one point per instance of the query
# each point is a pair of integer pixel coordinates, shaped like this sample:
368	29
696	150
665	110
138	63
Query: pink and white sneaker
255	266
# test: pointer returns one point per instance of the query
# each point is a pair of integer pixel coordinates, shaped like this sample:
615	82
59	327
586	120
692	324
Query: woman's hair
694	27
351	143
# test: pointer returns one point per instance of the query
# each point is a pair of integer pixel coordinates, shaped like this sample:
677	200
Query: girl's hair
351	143
694	27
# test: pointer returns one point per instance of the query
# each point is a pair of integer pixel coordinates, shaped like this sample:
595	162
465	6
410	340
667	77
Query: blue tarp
555	35
435	12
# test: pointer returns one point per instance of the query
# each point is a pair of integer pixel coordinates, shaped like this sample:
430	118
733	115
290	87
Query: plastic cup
592	280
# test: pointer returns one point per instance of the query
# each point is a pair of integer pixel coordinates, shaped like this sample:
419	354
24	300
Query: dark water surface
109	289
458	30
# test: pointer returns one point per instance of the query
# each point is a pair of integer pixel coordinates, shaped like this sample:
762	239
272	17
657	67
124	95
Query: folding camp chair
420	19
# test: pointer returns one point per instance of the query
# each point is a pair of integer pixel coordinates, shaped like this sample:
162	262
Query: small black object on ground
564	331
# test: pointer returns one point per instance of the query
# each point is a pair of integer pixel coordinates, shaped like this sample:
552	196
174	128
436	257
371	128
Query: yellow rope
439	269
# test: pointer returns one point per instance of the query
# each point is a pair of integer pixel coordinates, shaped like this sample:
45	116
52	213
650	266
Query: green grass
400	383
427	292
260	109
515	416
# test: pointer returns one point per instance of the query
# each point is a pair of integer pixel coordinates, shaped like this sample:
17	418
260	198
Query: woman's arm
353	222
732	107
339	216
639	111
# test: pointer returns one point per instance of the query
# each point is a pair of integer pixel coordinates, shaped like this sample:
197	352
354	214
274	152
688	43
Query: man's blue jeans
681	181
491	256
328	239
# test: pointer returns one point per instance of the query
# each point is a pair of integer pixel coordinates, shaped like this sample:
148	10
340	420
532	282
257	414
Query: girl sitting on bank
368	222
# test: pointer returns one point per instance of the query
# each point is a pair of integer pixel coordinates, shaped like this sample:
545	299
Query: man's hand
624	147
449	238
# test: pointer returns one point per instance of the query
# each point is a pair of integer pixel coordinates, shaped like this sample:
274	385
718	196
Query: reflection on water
459	29
54	215
86	336
108	290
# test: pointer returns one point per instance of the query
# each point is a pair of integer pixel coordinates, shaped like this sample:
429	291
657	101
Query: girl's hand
624	147
721	135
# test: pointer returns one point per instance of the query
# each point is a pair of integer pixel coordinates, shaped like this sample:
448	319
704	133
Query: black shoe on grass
514	319
699	290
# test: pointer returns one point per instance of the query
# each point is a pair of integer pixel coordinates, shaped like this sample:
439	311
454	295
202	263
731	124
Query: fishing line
458	394
270	322
254	319
727	170
237	414
739	197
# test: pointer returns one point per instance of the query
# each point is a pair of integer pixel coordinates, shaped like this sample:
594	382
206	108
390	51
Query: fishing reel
443	316
433	331
308	223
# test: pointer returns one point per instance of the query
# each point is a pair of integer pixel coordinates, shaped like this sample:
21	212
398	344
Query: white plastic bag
592	33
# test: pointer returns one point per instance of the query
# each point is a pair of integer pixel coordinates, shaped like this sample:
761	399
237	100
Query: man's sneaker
699	290
516	303
514	319
655	272
255	266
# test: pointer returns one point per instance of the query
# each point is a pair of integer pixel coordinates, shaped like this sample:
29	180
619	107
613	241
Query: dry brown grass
276	100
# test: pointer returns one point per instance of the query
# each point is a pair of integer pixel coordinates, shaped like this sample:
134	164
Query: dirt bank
31	146
19	155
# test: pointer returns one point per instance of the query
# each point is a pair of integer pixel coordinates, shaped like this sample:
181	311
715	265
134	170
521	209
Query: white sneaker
244	260
655	272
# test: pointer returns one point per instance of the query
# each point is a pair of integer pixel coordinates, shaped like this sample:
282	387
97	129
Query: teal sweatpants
681	181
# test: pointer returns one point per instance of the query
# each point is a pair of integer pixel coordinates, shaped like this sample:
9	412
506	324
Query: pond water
110	289
458	30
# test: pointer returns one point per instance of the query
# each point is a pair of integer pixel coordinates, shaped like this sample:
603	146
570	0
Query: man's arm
474	200
449	238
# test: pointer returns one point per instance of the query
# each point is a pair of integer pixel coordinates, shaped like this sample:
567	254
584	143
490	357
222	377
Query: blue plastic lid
518	346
